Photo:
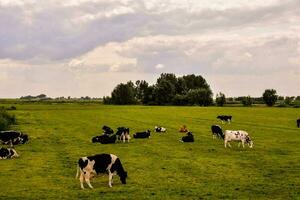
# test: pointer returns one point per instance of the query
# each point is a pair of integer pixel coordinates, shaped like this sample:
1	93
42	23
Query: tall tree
220	99
270	97
123	94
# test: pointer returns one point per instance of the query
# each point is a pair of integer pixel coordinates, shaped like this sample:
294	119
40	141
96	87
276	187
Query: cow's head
123	177
249	141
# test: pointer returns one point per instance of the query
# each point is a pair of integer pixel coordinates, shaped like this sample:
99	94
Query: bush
220	99
6	120
247	101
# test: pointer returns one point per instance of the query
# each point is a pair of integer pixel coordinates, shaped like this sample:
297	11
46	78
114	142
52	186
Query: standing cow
241	136
225	118
90	166
217	131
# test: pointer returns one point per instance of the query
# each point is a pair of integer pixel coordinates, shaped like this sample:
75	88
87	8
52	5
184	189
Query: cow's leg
123	138
225	143
110	177
81	178
87	180
239	144
243	143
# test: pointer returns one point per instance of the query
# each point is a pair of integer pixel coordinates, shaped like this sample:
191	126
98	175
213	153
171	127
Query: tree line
185	90
168	90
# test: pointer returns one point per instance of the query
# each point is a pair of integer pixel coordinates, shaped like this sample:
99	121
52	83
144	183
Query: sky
86	47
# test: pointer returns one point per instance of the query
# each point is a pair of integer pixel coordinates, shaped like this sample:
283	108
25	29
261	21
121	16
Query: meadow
161	167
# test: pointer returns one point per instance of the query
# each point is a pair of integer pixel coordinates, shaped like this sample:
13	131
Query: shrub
6	120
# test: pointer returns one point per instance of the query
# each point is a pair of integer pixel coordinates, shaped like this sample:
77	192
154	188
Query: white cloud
78	41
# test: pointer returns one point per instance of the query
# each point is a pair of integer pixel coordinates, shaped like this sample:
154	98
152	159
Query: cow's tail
77	173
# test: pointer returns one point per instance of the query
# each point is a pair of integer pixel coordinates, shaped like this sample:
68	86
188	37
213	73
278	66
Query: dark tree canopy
186	90
270	97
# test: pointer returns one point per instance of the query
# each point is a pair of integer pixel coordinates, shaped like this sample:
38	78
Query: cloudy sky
86	47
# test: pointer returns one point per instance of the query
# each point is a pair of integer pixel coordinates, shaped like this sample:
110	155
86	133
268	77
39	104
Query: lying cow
217	131
105	139
225	118
101	163
107	130
6	153
123	134
298	123
188	138
145	134
241	136
183	129
160	129
13	137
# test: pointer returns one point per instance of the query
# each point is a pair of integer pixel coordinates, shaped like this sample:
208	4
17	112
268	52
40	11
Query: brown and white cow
241	136
90	166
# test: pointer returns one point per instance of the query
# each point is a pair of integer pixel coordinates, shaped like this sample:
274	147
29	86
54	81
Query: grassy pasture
160	167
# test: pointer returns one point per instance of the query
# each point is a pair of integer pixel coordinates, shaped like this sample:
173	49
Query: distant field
160	167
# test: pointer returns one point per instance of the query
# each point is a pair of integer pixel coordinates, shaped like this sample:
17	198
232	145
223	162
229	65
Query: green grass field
160	167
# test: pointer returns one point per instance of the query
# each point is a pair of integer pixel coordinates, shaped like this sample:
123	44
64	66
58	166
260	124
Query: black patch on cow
188	138
13	137
101	162
145	134
226	118
107	130
105	139
298	123
82	163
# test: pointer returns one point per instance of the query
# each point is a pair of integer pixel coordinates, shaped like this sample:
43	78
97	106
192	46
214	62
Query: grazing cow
188	138
97	164
13	137
237	136
183	129
145	134
217	131
107	130
298	123
225	118
123	134
160	129
105	139
8	153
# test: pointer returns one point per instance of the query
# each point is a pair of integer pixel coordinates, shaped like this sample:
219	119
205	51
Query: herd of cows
90	166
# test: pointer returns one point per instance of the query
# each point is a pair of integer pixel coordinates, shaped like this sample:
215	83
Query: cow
225	118
188	138
6	153
159	129
217	131
123	134
107	130
105	139
13	137
145	134
183	129
298	123
90	166
242	136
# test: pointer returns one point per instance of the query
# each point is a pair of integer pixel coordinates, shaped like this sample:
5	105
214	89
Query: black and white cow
6	153
217	131
159	129
90	166
123	134
225	118
105	139
241	136
298	123
188	138
107	130
13	137
145	134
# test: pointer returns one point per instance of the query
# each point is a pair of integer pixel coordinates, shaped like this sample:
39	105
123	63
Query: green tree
200	96
247	101
141	88
270	97
164	92
123	94
220	99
